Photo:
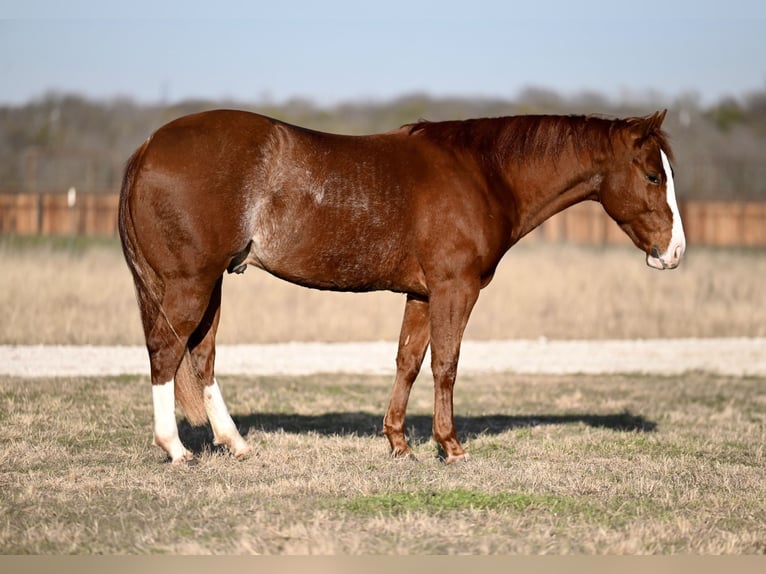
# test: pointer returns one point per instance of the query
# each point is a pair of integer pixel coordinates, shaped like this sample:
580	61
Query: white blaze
677	239
677	245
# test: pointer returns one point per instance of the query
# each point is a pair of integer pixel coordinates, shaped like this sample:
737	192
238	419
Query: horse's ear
656	119
644	127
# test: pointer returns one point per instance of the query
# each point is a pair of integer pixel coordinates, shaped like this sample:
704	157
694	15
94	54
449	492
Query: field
595	464
81	293
618	464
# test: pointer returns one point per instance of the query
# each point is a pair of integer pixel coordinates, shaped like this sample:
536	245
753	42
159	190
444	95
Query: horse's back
319	209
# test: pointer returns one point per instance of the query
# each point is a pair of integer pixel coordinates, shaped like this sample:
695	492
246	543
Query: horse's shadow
200	439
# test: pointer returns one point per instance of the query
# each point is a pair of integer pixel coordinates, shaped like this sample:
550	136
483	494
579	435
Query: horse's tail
149	292
149	287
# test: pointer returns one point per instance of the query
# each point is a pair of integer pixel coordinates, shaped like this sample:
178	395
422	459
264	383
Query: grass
80	292
560	465
454	500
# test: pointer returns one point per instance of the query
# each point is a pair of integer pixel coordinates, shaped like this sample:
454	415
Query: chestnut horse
427	210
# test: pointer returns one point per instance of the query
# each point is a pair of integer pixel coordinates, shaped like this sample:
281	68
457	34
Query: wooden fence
716	223
53	214
705	222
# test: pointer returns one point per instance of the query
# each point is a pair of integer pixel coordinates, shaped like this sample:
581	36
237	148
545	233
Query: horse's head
638	192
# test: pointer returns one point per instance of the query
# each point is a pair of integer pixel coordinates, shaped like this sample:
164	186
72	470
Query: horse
426	210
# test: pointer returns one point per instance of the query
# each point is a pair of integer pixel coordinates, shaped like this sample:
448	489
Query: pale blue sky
339	50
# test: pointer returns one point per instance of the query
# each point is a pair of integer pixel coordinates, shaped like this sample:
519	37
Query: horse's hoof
236	445
404	454
243	452
452	459
185	461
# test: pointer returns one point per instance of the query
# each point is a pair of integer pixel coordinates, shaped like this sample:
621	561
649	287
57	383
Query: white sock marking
224	430
165	427
220	420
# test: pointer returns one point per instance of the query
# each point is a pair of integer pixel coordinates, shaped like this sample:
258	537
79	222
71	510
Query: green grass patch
456	500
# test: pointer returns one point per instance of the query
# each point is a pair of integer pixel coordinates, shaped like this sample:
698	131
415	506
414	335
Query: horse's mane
542	136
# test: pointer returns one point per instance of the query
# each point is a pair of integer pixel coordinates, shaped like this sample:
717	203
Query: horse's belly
336	261
332	272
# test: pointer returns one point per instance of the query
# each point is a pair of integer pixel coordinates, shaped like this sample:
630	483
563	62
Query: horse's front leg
450	306
413	342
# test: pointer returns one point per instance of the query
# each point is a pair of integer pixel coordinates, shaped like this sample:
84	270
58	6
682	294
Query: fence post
71	200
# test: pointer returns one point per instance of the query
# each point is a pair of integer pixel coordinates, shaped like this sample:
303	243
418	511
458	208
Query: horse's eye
653	179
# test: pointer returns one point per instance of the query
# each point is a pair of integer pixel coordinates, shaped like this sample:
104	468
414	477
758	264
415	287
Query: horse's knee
444	373
408	366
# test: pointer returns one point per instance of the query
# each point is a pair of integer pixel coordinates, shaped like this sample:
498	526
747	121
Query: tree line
65	140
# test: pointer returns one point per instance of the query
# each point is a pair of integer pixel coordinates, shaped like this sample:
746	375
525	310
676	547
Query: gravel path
734	356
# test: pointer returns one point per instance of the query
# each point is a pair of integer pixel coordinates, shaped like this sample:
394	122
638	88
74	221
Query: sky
332	51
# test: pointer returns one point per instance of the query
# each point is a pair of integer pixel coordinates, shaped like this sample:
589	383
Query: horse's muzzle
668	260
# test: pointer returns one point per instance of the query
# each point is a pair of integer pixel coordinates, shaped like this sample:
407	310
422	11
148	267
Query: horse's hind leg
413	342
202	349
168	326
165	426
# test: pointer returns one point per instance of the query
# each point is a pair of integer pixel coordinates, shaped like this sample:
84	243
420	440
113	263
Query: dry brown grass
51	293
612	464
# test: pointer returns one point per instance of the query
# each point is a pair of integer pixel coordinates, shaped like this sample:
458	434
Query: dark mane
540	136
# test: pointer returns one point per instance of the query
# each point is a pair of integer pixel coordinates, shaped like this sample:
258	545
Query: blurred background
83	84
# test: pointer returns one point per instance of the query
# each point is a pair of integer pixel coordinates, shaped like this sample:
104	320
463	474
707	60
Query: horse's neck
546	191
